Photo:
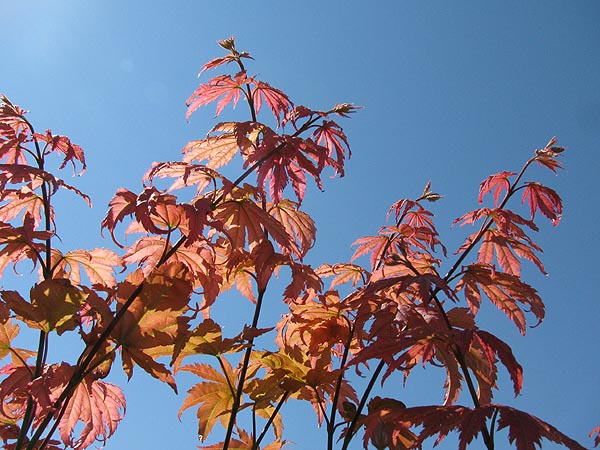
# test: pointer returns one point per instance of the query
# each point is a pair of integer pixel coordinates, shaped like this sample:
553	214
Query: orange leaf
54	305
214	396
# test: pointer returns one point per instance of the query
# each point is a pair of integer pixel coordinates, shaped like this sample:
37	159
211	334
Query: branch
246	361
282	400
363	401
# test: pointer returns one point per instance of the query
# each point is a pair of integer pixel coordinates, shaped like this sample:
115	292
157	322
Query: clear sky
453	91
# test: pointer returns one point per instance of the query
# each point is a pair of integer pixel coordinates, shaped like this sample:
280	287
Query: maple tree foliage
196	234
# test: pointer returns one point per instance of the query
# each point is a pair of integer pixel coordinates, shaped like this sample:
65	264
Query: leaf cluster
190	234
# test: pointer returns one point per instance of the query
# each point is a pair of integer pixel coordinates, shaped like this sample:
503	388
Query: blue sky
453	91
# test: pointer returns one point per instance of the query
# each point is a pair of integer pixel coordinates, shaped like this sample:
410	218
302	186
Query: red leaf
227	44
527	431
224	87
19	201
343	273
544	199
504	290
276	100
122	205
330	135
496	346
154	319
185	174
21	243
62	144
246	223
100	406
98	264
297	223
14	135
495	183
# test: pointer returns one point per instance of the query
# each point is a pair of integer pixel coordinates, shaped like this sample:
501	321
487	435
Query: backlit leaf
214	396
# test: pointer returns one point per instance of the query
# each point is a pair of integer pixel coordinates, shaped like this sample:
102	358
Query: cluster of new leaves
201	234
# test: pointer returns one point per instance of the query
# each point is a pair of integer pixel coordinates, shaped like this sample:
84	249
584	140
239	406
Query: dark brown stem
229	382
338	388
256	445
237	400
363	401
47	274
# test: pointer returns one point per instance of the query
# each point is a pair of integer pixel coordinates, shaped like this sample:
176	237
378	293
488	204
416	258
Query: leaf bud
343	109
432	197
228	44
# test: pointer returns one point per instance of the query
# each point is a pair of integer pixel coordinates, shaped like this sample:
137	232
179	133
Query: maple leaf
506	240
506	249
205	339
376	246
245	222
216	151
54	306
384	434
292	369
14	392
277	101
330	135
315	326
525	430
21	173
265	262
214	396
504	290
123	204
13	143
288	159
186	174
495	184
100	406
297	223
492	345
223	86
544	199
304	281
147	251
19	243
62	144
98	264
343	273
21	201
245	442
154	319
198	257
156	211
96	405
9	331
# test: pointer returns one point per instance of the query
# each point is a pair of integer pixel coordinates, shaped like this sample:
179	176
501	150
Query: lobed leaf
215	396
543	199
